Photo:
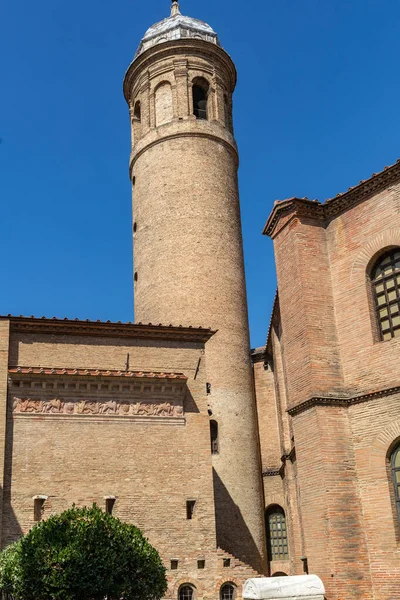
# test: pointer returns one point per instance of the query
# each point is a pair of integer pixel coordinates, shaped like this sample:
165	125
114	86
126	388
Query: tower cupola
176	27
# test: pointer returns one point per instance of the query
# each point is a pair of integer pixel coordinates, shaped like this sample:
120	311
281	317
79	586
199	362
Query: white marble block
299	587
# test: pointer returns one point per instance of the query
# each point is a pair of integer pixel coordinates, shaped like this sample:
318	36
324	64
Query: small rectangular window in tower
38	506
226	562
110	501
174	564
201	564
190	504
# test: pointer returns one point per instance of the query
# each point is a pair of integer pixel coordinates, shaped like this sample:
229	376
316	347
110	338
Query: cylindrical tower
188	254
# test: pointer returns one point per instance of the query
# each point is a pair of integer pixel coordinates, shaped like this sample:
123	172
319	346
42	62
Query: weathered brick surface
152	465
325	342
188	258
4	353
268	416
354	239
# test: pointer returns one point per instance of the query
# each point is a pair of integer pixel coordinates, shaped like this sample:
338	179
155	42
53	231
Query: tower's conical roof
176	27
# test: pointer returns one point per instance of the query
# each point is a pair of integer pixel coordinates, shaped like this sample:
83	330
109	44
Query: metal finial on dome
175	8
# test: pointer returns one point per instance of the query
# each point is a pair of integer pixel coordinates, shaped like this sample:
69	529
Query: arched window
385	277
186	592
136	111
214	437
396	477
227	591
277	533
200	97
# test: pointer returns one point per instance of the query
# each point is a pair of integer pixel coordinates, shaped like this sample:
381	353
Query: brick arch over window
227	591
197	585
371	251
379	469
384	444
222	582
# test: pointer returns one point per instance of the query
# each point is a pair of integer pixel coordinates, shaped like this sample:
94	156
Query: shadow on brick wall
11	529
233	535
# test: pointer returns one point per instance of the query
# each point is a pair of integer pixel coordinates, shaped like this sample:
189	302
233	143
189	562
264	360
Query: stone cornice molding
341	401
106	373
107	329
257	355
271	471
301	207
334	206
230	144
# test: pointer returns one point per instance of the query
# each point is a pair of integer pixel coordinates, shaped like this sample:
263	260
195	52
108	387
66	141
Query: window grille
200	98
277	534
186	592
385	278
396	478
227	592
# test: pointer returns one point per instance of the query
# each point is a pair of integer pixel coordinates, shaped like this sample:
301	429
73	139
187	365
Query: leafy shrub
82	554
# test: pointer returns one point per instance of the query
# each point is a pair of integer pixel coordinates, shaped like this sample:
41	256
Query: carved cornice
341	401
187	49
333	206
301	207
107	329
290	456
94	373
257	355
271	471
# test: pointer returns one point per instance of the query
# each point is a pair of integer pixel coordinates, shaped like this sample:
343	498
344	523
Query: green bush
82	554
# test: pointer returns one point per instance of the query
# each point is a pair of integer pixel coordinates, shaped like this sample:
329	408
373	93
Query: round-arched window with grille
186	592
385	277
395	462
227	592
277	537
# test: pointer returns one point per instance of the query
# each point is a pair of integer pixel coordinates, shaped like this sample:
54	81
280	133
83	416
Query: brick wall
329	346
151	464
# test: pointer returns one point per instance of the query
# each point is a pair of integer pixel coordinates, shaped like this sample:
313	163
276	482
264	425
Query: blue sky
315	111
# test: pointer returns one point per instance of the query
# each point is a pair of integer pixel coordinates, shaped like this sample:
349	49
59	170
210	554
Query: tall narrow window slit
200	98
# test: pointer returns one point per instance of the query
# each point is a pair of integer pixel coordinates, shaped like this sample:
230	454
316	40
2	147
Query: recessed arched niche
163	103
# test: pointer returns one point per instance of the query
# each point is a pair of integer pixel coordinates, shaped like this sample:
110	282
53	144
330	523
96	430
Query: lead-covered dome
177	27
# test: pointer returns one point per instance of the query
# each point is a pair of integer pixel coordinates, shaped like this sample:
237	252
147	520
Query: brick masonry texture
188	257
151	464
90	411
336	485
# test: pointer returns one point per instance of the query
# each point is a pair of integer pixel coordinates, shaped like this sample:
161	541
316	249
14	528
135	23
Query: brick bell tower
188	254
